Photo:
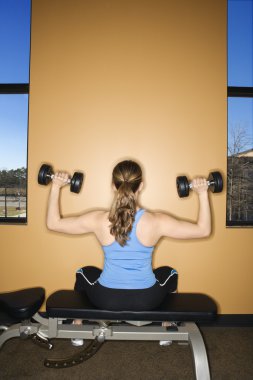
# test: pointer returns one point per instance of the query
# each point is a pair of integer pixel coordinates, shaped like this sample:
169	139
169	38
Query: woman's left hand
199	185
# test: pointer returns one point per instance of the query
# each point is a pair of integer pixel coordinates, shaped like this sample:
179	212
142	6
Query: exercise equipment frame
184	310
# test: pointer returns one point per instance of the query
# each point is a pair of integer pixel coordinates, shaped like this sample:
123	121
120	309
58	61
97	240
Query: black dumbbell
46	175
214	182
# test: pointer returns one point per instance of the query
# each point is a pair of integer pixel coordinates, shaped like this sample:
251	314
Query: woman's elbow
52	225
202	232
206	232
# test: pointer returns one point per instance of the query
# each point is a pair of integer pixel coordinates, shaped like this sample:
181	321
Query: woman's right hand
60	179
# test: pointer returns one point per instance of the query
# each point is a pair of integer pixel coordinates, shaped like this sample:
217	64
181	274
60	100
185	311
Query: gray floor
230	352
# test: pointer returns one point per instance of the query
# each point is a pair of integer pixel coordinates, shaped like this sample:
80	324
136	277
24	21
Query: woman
128	235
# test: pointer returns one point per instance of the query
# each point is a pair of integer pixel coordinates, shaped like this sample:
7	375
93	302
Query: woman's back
128	266
145	229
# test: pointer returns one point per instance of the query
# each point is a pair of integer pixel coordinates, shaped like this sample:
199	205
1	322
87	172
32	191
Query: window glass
240	162
240	43
14	41
13	155
240	125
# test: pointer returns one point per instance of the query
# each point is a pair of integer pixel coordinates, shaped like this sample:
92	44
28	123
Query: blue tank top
128	267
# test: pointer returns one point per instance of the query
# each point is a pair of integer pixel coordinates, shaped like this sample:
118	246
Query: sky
13	131
14	68
14	41
240	43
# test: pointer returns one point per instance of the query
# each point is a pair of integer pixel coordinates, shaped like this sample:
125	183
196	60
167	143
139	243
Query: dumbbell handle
208	184
52	176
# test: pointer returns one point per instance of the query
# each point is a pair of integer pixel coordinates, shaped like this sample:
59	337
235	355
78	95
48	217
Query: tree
15	179
240	176
239	139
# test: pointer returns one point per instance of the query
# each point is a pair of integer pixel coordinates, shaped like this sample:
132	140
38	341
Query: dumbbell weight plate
216	180
182	186
76	182
44	176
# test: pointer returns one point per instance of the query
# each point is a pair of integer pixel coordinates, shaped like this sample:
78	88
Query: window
240	114
15	28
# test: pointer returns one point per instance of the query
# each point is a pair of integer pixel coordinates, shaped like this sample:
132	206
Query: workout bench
183	309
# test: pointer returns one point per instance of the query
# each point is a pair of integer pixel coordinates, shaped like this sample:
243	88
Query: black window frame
235	92
18	89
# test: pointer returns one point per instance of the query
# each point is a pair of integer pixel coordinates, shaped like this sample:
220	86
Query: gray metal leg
53	327
11	332
198	352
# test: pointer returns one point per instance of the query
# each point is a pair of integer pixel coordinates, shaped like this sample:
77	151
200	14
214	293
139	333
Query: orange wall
139	79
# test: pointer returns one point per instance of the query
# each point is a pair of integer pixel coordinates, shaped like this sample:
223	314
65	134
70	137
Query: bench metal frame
46	329
182	310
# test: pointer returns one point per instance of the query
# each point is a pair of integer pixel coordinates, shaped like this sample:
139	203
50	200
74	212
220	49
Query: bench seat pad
22	304
175	307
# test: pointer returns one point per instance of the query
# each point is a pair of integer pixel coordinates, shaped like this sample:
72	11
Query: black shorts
126	299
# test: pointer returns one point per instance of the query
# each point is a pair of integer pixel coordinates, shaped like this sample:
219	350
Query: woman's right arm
180	229
82	224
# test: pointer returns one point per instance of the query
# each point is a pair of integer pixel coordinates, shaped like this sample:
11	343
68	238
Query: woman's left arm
181	229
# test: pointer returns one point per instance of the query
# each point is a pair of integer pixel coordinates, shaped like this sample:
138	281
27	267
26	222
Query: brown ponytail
126	177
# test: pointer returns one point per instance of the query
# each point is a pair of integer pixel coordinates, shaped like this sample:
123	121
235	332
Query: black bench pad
22	304
176	307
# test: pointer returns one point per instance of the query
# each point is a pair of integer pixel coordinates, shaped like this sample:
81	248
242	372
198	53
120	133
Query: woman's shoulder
151	215
155	214
97	215
154	218
100	214
148	217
